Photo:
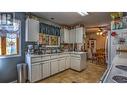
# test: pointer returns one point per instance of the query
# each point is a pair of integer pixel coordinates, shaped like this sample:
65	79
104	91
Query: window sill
10	56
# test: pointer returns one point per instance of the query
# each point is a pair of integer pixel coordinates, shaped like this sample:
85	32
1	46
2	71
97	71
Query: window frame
19	49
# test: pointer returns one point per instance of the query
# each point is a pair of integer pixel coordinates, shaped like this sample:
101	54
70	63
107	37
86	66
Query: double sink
120	78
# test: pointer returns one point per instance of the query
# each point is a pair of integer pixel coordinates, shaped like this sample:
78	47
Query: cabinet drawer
62	55
75	55
54	56
36	59
45	58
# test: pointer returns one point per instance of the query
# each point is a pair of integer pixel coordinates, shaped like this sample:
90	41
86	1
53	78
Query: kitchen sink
122	67
120	79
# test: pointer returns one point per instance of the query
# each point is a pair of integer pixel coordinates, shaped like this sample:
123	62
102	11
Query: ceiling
70	18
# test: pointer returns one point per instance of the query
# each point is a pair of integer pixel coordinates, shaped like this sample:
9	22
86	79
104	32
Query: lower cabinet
54	66
61	63
45	69
75	63
67	62
36	72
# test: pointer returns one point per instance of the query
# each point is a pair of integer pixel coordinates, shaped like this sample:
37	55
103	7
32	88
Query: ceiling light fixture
83	13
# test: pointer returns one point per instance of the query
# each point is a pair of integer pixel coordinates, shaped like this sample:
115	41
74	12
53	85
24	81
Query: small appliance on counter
30	49
53	50
48	50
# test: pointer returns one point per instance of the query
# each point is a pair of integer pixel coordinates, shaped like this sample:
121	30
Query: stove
120	79
122	67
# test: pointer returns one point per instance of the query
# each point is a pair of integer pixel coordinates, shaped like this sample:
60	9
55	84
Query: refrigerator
112	44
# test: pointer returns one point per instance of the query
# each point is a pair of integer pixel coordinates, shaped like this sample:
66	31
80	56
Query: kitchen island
46	65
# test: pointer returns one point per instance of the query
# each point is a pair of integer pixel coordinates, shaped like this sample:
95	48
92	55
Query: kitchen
58	47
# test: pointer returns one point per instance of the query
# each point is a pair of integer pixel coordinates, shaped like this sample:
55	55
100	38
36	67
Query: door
36	72
45	69
54	67
75	63
61	63
67	65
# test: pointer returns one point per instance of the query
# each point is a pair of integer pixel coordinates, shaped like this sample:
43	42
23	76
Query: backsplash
35	48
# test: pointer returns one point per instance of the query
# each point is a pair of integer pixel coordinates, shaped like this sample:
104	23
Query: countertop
36	55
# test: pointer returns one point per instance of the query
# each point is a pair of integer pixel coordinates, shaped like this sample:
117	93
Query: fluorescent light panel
83	13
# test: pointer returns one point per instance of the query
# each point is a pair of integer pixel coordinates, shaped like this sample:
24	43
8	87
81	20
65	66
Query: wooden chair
100	56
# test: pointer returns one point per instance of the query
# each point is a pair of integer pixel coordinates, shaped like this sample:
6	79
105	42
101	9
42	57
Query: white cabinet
67	63
45	69
72	36
64	35
40	67
32	30
75	63
61	63
36	72
79	35
54	66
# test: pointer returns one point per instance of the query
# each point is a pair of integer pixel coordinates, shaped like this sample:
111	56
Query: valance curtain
49	29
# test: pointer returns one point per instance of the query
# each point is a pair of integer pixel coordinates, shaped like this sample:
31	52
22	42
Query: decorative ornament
113	34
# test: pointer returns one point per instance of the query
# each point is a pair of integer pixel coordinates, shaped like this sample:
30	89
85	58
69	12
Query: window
9	36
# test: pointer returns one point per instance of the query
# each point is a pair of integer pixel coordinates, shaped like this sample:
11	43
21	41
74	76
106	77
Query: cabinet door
54	67
46	69
79	35
75	63
61	63
36	72
67	62
32	30
66	36
72	36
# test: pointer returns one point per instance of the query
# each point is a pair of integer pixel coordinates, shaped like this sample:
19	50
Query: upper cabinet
72	36
65	35
79	35
32	30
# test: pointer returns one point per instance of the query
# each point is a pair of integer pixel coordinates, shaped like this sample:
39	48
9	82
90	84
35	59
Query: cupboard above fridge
32	30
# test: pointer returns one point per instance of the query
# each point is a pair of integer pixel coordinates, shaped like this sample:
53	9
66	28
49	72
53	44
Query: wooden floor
92	74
